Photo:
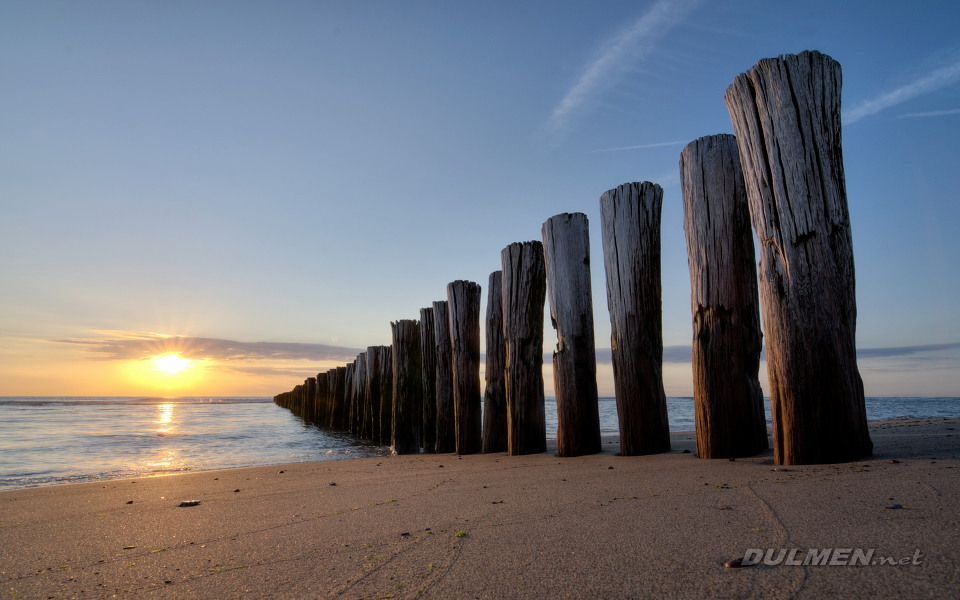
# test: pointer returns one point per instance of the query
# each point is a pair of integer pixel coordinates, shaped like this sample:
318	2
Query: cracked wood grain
728	400
566	247
786	116
630	224
524	294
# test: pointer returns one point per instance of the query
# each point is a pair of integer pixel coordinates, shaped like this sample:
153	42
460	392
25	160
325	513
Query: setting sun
171	363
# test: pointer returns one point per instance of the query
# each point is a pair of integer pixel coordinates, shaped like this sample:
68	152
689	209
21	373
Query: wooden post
374	379
494	394
524	292
463	298
727	340
786	115
348	390
360	395
386	396
428	430
442	348
338	418
310	399
302	399
630	223
407	386
566	250
319	399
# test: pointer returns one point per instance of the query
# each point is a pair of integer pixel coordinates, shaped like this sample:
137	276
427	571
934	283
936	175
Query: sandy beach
494	526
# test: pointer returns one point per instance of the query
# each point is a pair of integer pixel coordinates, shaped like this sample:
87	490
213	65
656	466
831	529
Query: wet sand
494	526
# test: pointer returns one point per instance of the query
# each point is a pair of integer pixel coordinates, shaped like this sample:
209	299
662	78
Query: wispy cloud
619	54
903	350
923	84
684	354
135	346
657	145
933	113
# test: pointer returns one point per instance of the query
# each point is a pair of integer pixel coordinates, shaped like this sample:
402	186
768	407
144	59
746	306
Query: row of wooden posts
783	171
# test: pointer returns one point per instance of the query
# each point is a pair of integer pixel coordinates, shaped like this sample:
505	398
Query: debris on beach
129	501
895	506
236	490
189	503
735	564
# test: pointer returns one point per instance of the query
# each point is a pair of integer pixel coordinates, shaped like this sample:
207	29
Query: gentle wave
46	441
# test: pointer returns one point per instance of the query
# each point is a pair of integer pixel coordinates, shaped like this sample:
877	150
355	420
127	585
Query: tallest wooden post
786	115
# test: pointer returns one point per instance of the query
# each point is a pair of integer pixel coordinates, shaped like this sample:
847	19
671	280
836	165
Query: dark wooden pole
360	395
338	414
495	394
727	340
386	396
374	379
428	431
524	292
407	386
349	393
786	115
463	298
630	223
442	348
311	399
566	249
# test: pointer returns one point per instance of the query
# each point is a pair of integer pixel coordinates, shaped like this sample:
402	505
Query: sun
171	363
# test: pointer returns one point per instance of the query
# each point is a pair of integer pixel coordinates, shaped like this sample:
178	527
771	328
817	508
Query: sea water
45	441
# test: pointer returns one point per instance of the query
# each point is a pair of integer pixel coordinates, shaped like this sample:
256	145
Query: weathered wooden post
386	396
495	394
442	348
566	250
348	391
323	399
338	414
407	386
727	340
331	388
428	429
524	292
630	223
463	298
786	115
360	397
301	396
310	399
374	378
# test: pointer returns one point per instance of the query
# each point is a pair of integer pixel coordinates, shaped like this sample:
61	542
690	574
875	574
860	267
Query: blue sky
305	173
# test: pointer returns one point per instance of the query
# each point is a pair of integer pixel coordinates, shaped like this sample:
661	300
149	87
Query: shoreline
551	448
533	526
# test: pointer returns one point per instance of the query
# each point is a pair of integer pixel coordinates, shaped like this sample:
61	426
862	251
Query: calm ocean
46	441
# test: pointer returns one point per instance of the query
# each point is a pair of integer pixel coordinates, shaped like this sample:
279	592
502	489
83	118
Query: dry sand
494	526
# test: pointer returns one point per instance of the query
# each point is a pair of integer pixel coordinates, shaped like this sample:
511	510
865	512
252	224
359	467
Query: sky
261	188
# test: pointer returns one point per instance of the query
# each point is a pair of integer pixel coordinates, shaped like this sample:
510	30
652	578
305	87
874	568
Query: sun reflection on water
164	459
165	419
